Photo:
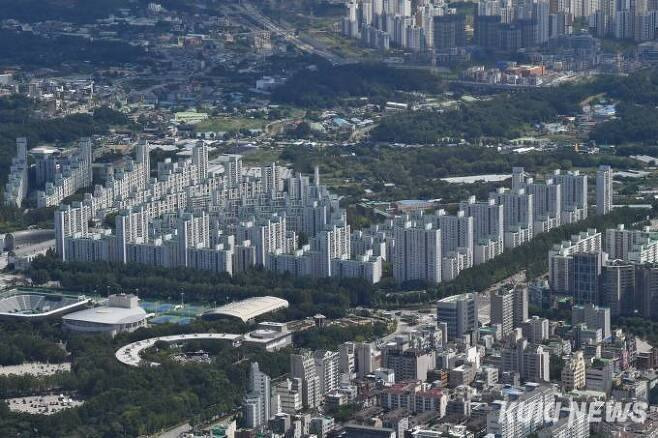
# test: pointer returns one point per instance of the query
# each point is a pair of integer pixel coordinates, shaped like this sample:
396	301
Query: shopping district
473	364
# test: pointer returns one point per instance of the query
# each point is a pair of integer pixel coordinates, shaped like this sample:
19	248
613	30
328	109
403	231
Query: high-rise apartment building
573	196
327	364
17	182
604	190
636	246
256	405
302	367
488	223
517	213
417	253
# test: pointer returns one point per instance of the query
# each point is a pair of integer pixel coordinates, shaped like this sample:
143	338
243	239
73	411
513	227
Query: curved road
131	354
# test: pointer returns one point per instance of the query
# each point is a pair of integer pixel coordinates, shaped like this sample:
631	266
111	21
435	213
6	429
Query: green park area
231	124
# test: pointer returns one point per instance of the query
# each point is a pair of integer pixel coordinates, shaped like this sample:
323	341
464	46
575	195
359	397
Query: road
308	46
176	432
130	354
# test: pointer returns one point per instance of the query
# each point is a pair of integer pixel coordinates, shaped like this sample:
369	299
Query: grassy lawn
262	156
230	124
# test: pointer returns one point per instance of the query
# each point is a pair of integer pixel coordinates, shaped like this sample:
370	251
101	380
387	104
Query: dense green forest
16	348
77	11
329	338
329	85
502	116
125	401
635	124
647	330
30	50
12	218
82	11
637	116
511	115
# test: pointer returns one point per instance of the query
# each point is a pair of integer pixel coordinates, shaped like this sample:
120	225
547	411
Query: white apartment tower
417	254
302	366
327	364
17	182
488	222
574	195
456	232
257	401
518	208
604	190
200	159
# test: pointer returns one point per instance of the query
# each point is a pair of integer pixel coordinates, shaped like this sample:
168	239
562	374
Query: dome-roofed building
121	314
247	310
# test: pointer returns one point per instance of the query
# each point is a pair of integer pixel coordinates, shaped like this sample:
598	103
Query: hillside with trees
327	85
501	116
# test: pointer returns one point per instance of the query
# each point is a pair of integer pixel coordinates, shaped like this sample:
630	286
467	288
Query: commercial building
502	310
573	372
618	287
460	315
561	259
530	400
535	329
289	395
599	376
530	361
408	363
587	269
594	317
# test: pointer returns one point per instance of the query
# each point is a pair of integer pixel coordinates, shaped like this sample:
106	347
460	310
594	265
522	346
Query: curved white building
247	310
122	314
